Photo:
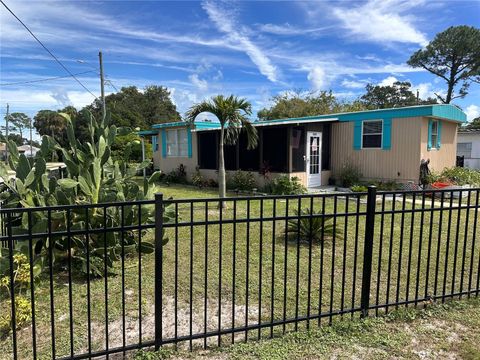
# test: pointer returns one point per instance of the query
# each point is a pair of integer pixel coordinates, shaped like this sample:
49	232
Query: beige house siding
400	163
446	156
168	164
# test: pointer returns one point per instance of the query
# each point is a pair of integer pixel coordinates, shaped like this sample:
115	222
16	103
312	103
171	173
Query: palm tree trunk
221	169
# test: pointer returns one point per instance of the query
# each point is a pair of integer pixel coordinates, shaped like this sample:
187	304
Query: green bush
349	174
177	176
359	188
311	229
461	176
242	180
284	185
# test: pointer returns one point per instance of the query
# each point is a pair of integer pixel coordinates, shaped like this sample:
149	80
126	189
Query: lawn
286	279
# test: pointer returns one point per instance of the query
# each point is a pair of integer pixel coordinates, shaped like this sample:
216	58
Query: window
464	149
434	134
177	143
372	134
155	143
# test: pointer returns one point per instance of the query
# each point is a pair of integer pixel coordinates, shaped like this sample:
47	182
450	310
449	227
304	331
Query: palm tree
232	114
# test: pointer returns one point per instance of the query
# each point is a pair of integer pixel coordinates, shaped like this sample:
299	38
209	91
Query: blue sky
198	49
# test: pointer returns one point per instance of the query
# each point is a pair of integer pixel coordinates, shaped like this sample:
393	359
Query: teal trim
154	143
439	134
189	138
164	143
169	125
429	140
147	132
357	135
387	134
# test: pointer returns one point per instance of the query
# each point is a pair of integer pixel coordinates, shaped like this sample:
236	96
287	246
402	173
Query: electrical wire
46	49
46	79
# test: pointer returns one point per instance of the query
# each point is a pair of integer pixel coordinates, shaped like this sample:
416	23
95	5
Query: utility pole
102	83
31	149
6	133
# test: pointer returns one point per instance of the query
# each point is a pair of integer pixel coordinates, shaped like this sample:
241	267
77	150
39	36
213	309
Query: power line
46	49
46	79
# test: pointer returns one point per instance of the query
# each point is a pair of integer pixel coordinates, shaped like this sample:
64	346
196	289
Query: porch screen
298	148
207	150
275	148
249	160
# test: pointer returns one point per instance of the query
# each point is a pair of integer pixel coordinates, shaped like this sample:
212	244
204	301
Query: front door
314	146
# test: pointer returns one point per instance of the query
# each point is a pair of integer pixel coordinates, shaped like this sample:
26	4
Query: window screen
464	149
434	134
298	148
275	148
249	160
372	134
177	143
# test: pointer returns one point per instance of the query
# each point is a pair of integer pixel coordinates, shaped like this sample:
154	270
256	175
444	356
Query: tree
232	114
135	108
454	56
51	123
474	124
297	104
20	121
389	96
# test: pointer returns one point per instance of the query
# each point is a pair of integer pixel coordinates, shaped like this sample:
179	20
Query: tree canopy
454	56
297	104
396	95
474	124
20	122
139	108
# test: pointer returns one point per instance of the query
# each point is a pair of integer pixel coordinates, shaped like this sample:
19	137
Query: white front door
313	159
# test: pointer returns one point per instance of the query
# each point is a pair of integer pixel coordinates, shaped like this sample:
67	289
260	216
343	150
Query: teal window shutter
439	136
154	143
387	134
429	140
357	135
164	143
189	137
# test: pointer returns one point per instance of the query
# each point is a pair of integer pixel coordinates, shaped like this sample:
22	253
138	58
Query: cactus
93	178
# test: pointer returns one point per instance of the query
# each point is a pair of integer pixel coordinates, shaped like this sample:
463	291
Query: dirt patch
182	321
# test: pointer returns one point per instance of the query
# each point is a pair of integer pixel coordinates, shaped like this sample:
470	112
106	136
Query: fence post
158	269
368	250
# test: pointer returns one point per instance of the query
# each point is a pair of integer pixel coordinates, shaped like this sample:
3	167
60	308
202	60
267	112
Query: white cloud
354	84
472	111
318	78
388	81
201	84
289	30
224	20
381	21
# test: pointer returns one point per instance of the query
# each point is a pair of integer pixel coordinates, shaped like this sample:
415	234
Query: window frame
434	144
177	144
381	135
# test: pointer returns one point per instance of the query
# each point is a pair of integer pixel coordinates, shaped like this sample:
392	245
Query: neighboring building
385	145
27	150
468	146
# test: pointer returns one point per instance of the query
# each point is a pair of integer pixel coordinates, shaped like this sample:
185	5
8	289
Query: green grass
440	331
273	250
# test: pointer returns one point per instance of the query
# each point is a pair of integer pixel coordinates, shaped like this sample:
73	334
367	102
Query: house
29	151
385	145
468	146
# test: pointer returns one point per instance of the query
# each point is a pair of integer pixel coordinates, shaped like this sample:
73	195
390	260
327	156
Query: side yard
448	331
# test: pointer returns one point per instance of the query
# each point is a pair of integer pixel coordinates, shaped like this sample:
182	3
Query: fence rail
96	280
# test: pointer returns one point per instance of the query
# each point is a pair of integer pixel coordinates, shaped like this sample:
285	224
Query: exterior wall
446	156
400	163
474	161
167	164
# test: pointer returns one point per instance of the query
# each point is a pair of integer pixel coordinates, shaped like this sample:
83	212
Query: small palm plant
312	227
232	114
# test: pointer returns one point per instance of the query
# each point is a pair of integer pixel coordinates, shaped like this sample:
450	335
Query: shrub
284	185
311	229
359	188
197	178
178	176
461	176
242	180
349	174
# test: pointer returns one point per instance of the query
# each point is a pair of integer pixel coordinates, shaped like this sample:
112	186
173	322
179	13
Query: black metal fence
258	268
